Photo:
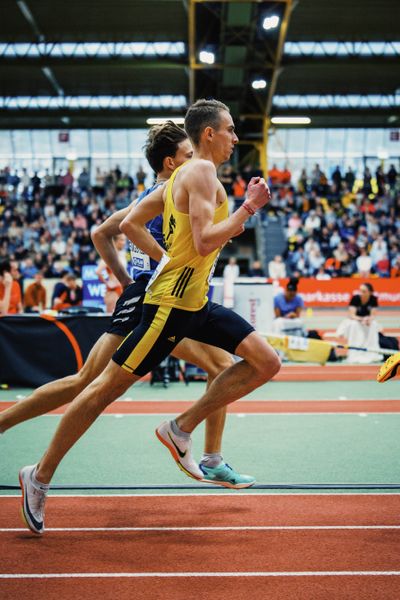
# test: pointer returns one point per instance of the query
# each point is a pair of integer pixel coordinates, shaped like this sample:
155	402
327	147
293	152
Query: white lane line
216	528
203	574
242	494
251	414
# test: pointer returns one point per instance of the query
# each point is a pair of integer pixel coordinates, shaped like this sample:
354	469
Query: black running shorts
128	310
163	327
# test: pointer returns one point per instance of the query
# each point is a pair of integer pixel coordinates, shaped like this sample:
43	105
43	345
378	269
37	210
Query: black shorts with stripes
128	310
163	327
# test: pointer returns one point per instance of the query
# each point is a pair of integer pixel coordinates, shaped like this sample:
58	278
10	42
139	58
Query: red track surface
327	373
140	552
252	406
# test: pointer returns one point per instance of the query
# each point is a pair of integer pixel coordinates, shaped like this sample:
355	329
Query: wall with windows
38	150
356	148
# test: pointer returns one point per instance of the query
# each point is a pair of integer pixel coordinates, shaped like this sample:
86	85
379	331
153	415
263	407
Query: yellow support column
192	49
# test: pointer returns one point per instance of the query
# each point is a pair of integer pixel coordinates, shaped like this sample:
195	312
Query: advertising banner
339	291
93	289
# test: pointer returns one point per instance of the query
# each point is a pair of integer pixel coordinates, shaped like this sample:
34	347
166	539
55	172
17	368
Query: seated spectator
60	287
361	329
6	282
315	260
294	224
340	253
277	268
10	290
312	222
288	307
322	275
395	270
59	245
364	264
332	266
28	268
35	295
256	270
379	250
71	296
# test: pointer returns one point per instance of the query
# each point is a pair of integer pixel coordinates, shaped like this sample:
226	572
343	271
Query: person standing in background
230	274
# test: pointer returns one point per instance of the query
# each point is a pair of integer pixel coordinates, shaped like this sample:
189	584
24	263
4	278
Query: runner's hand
258	194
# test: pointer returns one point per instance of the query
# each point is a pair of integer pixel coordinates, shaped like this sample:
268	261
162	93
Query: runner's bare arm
134	224
102	238
202	192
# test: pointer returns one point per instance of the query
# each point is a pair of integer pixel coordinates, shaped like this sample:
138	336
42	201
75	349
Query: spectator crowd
342	227
46	222
339	227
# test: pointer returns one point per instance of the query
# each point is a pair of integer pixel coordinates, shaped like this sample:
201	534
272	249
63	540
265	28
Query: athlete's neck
163	175
205	154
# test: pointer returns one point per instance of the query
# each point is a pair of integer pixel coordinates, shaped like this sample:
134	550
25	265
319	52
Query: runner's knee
219	364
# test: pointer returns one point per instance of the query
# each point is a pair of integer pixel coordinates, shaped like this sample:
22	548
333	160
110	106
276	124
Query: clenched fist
258	194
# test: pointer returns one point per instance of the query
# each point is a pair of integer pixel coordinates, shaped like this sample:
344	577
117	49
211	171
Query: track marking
228	528
250	414
223	492
203	574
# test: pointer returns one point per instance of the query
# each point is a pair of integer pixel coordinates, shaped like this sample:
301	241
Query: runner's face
184	153
225	137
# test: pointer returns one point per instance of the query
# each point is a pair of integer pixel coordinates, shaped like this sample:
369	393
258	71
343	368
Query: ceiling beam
124	62
192	49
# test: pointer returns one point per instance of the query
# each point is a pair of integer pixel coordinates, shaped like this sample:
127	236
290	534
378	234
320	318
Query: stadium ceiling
107	64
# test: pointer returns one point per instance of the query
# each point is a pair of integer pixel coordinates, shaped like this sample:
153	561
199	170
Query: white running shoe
33	500
180	449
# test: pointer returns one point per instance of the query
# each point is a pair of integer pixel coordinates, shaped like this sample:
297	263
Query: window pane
79	141
5	146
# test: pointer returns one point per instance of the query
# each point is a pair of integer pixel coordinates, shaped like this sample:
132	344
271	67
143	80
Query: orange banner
338	292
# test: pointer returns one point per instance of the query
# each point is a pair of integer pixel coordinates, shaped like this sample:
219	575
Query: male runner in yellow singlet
196	226
167	147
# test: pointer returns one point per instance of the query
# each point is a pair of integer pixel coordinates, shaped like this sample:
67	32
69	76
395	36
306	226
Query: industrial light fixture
271	22
162	120
258	84
290	120
206	57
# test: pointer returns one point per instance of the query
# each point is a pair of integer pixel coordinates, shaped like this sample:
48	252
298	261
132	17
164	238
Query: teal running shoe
226	476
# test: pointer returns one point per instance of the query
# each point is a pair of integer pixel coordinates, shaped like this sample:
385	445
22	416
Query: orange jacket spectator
286	176
15	305
274	175
239	187
35	295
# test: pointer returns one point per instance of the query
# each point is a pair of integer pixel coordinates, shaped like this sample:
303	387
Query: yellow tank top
182	277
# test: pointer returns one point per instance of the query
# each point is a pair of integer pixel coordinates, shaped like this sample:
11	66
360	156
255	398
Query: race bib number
163	262
140	260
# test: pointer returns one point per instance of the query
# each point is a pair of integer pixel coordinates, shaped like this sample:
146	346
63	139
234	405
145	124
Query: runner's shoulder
200	167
